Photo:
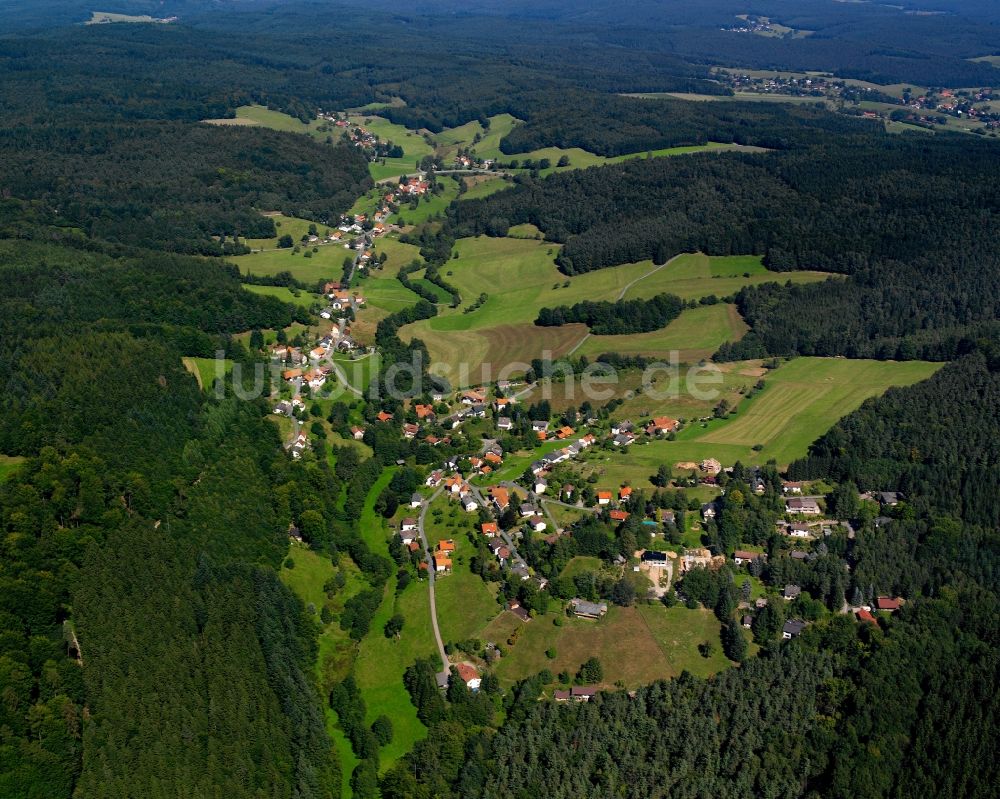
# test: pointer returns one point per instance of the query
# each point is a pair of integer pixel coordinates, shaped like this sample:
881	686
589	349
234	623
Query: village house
489	529
618	515
806	506
515	607
504	423
798	530
408	524
890	604
623	440
468	675
792	486
603	497
792	628
500	497
540	485
424	412
791	592
442	563
410	431
709	510
384	417
660	425
741	556
537	524
624	493
588	610
434	479
668	517
416	501
865	616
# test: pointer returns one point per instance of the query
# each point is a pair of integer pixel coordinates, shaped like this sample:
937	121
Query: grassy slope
801	401
381	662
520	277
695	334
206	370
694	275
301	298
464	602
8	465
635	645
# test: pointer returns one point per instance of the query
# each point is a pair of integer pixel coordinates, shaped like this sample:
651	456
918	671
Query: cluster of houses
469	160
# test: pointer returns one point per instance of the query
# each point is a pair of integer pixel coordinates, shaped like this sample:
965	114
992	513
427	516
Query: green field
520	277
692	276
635	645
484	188
695	334
257	116
802	400
381	662
303	299
206	370
336	651
413	144
8	465
465	604
430	206
292	225
327	263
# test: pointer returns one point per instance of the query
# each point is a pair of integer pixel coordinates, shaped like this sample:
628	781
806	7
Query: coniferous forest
148	647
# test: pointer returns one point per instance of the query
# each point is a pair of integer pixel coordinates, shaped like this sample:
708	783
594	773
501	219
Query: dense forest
178	187
849	205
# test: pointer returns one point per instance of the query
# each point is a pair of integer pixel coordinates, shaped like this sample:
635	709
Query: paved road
430	576
621	296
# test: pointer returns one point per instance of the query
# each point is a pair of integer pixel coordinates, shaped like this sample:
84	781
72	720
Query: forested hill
152	518
177	187
875	207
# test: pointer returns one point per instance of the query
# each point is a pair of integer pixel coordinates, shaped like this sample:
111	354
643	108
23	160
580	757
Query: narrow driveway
430	576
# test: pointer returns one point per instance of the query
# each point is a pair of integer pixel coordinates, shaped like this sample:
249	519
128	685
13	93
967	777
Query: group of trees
616	318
